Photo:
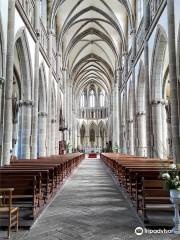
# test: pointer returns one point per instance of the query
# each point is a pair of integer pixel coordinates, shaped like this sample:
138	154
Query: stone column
1	113
133	122
120	119
146	77
173	82
141	148
49	95
26	143
133	36
65	102
70	112
58	66
131	137
53	134
115	115
36	85
125	137
42	134
19	132
7	130
97	141
125	56
1	94
157	122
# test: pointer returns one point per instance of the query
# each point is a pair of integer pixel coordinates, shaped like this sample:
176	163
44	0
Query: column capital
138	114
2	80
51	31
159	101
125	53
53	120
37	33
130	120
132	31
42	114
26	103
58	54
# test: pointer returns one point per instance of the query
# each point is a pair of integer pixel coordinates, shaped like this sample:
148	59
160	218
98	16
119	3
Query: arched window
101	99
92	99
82	102
41	8
139	11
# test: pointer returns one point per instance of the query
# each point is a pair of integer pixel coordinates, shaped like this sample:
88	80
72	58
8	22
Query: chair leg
9	227
17	220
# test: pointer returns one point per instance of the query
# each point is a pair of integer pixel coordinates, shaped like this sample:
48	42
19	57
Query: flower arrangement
171	178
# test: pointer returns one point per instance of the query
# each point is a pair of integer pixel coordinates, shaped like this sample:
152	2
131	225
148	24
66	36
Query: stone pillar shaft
173	81
36	86
146	76
49	94
157	121
26	129
7	131
1	89
141	133
42	134
116	113
53	134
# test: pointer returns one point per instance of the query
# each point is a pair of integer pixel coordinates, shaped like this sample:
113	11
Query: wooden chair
7	211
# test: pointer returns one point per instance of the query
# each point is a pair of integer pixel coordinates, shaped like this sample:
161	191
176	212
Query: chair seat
6	209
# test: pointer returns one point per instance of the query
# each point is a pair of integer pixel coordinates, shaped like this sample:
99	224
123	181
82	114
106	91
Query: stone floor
90	206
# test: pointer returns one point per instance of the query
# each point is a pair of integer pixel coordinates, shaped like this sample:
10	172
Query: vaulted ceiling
92	36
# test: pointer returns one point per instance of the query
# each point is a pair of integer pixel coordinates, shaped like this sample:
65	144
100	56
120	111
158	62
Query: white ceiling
91	39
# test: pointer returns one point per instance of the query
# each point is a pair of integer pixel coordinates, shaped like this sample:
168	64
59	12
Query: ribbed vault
91	38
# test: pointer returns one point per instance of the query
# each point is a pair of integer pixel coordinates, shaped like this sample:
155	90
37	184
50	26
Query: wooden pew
36	181
140	178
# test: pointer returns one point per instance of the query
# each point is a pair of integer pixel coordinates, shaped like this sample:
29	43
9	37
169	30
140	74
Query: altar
92	155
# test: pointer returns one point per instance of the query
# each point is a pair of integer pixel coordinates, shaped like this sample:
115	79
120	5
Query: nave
89	206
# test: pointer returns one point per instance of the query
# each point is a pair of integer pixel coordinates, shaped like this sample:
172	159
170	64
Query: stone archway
158	102
22	66
93	137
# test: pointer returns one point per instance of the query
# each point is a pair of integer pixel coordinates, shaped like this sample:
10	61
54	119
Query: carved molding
51	31
26	103
133	31
2	80
42	114
130	121
140	114
159	101
125	54
53	120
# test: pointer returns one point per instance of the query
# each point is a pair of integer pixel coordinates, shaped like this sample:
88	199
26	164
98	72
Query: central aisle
88	207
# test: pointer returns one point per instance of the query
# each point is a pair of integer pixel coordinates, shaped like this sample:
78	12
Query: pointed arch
23	51
158	103
23	67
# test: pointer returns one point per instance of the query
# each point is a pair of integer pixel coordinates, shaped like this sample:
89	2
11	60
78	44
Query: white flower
177	178
178	188
173	166
166	176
